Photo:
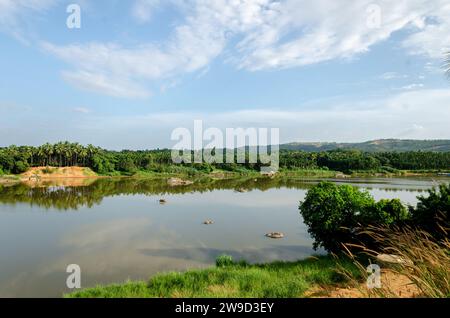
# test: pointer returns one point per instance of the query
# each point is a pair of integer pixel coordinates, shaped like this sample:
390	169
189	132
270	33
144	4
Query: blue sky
321	70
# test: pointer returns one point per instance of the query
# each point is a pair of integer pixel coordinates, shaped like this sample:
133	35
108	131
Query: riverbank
82	175
315	277
234	279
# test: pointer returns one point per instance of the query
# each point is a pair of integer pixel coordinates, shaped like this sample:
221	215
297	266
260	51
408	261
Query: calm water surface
117	229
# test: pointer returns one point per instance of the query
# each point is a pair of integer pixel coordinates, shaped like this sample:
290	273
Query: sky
322	70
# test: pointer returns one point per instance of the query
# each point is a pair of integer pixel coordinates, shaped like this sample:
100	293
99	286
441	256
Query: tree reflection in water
91	192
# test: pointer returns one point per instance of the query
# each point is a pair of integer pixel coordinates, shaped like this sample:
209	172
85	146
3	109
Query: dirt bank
393	285
39	173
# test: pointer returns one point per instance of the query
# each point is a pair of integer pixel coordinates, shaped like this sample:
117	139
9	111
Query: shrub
224	260
20	167
433	209
387	212
332	212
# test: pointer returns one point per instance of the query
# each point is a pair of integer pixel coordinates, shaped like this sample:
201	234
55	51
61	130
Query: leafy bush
224	261
331	211
387	212
433	209
334	212
20	167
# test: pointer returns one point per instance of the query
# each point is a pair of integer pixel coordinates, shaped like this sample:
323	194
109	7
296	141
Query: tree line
17	159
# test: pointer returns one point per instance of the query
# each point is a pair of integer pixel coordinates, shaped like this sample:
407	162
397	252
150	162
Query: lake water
116	229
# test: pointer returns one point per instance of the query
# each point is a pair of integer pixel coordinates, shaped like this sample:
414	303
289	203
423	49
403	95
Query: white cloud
413	86
433	40
258	35
14	14
82	110
392	75
419	114
143	10
99	83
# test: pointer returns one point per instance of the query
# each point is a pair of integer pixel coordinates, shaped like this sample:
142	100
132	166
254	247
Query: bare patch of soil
39	173
393	285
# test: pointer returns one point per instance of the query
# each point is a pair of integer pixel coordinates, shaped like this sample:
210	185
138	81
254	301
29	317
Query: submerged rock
275	235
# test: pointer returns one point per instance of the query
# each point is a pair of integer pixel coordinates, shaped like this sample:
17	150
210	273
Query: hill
373	146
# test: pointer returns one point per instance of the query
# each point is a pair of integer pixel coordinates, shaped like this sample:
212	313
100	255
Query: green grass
323	173
231	279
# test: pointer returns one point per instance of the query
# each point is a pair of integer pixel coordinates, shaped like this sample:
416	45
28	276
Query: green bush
224	261
331	211
20	167
387	212
433	209
334	212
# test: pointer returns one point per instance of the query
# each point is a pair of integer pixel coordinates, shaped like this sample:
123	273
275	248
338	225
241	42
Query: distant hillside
374	145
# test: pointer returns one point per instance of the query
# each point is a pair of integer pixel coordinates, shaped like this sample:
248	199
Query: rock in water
275	235
208	222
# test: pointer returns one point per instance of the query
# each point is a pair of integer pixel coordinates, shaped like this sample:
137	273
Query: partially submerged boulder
275	235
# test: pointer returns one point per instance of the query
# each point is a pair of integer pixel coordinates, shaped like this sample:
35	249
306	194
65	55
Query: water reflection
90	192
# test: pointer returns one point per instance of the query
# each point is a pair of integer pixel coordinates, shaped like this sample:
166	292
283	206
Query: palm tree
59	150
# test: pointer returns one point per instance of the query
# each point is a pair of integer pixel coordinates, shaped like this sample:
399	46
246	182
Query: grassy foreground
231	279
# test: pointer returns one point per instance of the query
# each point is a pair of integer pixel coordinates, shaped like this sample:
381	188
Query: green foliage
15	159
224	260
20	167
433	209
331	212
274	280
387	212
384	145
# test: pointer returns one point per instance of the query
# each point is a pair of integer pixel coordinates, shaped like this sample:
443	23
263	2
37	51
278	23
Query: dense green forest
17	159
382	145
